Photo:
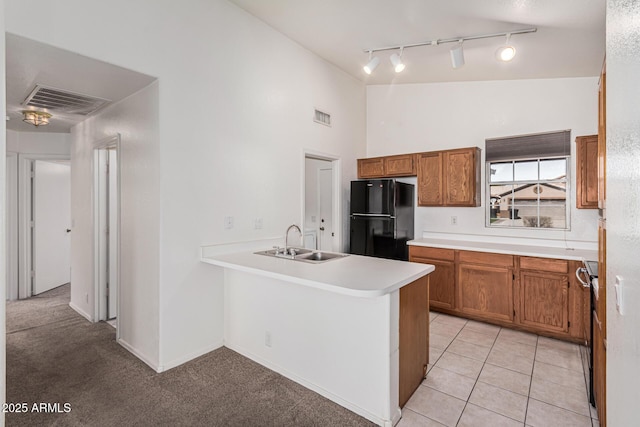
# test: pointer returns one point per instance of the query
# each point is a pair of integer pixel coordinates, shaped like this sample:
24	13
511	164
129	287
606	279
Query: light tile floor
483	375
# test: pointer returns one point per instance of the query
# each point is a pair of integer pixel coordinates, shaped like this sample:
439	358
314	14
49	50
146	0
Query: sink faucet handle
292	251
278	249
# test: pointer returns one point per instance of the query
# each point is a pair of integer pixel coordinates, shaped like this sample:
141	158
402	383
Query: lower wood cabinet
539	295
442	280
544	301
485	285
414	337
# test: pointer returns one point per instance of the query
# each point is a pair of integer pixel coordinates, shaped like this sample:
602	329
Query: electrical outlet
257	223
228	222
267	339
454	220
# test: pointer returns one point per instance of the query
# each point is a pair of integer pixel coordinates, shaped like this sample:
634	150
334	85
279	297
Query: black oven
588	276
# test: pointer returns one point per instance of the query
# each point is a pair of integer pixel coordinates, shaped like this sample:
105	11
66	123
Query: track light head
396	61
372	64
457	56
507	52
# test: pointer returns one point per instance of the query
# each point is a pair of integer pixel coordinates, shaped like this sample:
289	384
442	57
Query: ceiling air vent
322	118
63	101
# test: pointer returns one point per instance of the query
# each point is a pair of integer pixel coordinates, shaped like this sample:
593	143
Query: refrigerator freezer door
376	196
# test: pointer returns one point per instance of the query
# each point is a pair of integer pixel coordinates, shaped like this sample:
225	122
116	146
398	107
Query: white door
51	210
112	284
325	208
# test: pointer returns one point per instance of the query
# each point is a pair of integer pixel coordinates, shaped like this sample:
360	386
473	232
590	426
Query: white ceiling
29	63
570	41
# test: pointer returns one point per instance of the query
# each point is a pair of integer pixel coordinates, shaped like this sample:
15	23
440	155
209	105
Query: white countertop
509	248
353	275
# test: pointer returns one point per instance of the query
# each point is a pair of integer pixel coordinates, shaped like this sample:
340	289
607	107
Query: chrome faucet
286	237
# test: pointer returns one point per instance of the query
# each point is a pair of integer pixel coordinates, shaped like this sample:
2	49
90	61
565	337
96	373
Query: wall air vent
52	99
322	117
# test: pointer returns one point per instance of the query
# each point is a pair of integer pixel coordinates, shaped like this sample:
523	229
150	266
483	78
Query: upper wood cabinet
387	167
587	172
449	178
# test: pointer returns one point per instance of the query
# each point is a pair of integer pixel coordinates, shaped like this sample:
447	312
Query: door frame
336	165
100	292
12	228
25	199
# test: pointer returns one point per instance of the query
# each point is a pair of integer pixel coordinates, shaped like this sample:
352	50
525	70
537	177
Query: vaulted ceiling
569	42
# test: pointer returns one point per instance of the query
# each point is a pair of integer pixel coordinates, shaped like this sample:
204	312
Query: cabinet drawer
436	253
544	264
486	258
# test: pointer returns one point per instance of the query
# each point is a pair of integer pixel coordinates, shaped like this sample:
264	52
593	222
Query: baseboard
177	362
139	355
81	312
321	391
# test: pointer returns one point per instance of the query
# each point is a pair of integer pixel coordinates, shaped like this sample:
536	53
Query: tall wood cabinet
587	172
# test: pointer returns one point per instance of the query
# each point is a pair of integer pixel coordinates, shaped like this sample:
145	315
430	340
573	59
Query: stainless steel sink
316	257
304	255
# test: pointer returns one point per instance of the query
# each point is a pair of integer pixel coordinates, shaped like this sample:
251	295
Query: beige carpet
56	356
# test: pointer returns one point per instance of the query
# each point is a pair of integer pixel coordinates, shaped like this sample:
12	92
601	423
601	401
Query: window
527	181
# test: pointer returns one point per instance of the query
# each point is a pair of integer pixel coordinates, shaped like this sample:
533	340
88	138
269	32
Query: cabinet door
544	302
587	172
602	139
430	179
441	283
414	337
460	177
599	370
402	165
486	291
371	168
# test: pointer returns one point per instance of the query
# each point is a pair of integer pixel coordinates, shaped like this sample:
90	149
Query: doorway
322	203
106	228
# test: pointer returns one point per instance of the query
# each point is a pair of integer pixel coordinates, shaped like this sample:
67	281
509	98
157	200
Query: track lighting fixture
504	53
457	55
396	61
372	64
507	52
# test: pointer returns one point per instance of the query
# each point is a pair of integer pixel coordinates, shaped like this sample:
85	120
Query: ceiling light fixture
36	118
372	64
507	52
396	59
457	55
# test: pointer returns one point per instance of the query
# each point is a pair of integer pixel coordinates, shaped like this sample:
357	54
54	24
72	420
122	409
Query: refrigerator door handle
373	215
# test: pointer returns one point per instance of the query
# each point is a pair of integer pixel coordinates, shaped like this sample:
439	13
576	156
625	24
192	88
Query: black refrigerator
381	218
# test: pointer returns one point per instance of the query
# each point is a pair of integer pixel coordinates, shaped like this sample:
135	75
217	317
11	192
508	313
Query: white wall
623	208
236	103
426	117
3	284
38	142
136	119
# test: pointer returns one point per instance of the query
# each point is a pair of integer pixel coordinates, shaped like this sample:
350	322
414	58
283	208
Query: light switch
619	294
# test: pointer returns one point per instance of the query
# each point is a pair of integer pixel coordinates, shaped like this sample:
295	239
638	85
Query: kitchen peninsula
353	329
